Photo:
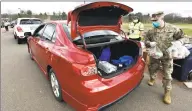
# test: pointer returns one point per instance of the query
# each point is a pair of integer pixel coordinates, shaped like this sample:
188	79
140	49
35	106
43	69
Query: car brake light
19	29
87	70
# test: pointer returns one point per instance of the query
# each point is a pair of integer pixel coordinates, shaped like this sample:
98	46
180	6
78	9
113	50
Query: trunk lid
97	16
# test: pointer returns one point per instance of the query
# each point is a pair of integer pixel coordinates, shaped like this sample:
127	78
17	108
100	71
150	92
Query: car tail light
87	70
19	29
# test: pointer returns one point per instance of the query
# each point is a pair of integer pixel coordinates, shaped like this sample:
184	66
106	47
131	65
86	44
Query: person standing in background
6	24
136	29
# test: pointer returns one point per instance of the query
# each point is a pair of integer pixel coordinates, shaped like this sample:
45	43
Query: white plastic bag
155	52
178	51
107	67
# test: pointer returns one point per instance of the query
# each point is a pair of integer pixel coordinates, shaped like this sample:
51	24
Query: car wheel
190	75
19	41
55	86
15	37
30	53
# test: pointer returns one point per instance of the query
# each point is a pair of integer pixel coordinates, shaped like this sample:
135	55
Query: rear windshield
98	36
30	21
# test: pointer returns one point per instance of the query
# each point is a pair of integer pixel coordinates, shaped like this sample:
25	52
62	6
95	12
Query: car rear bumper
109	104
22	35
99	93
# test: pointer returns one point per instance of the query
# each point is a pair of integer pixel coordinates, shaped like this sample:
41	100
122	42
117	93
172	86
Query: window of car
98	36
54	36
30	21
39	31
67	30
49	31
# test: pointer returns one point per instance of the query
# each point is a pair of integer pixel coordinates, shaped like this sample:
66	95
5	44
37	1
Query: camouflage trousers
167	65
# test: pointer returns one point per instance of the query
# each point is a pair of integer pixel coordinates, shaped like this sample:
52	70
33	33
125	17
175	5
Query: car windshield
30	21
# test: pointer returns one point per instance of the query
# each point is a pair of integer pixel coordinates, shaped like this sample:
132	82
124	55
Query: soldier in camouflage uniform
163	34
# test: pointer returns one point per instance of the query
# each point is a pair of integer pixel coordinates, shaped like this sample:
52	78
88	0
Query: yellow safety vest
134	30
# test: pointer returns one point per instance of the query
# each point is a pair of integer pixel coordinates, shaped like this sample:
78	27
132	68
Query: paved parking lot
24	87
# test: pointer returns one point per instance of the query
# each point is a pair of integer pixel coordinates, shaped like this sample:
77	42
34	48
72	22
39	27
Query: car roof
28	18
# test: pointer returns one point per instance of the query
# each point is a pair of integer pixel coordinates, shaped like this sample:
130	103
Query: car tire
19	41
15	37
190	75
55	86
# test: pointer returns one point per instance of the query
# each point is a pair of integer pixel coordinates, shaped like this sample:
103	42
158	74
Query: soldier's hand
153	44
149	44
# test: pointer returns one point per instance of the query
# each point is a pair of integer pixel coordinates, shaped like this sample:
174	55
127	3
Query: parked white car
24	27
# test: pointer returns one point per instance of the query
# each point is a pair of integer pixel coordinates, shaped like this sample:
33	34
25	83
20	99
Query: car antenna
84	1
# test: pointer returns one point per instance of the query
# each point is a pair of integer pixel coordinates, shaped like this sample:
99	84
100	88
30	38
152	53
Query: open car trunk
117	50
97	26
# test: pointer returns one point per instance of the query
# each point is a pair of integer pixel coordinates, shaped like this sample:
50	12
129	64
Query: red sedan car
69	56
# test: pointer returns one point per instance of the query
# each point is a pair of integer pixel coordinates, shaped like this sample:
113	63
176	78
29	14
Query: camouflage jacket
163	37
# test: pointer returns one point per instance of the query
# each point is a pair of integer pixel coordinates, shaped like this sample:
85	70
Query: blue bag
105	54
116	62
126	60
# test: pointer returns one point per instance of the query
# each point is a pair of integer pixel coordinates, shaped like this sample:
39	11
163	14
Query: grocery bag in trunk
124	60
105	54
106	67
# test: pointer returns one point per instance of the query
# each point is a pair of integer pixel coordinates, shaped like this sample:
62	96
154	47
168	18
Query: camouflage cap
156	15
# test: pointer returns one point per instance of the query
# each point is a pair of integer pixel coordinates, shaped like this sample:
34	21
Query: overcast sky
183	8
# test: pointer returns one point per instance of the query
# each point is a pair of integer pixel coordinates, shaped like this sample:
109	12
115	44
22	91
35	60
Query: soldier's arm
147	39
180	36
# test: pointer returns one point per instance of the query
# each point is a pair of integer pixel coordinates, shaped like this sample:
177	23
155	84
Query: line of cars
11	24
68	55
